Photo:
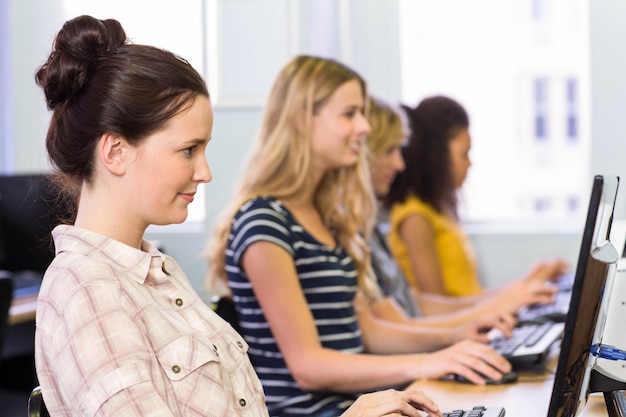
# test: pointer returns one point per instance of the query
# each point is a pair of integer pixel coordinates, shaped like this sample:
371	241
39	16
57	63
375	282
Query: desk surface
23	309
530	396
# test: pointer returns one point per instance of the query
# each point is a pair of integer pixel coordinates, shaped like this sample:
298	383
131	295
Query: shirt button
176	369
179	302
240	345
242	402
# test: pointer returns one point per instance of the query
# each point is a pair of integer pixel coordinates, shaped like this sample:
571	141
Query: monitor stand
616	403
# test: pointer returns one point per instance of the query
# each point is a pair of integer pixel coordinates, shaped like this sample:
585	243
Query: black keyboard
616	403
556	311
565	282
478	411
529	343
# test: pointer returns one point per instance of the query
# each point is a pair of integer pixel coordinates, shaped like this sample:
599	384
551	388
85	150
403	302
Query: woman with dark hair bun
120	330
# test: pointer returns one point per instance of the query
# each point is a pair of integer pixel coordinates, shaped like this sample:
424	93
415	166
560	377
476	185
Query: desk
23	309
529	397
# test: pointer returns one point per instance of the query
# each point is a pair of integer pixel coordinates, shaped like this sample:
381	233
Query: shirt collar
100	247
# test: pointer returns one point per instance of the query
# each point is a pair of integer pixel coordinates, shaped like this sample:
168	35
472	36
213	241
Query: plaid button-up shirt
121	332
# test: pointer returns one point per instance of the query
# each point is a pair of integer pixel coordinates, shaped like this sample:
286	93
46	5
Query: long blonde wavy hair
280	166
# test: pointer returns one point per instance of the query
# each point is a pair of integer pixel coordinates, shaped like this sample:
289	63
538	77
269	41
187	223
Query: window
572	109
522	73
573	204
537	11
543	204
541	109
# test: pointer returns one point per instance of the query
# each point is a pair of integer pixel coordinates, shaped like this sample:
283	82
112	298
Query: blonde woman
292	248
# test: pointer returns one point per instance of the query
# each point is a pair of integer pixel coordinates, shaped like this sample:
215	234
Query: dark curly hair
428	174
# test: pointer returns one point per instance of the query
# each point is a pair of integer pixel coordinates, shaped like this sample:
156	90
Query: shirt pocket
185	355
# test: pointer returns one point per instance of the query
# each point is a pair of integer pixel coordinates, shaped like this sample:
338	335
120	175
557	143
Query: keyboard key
536	335
556	311
477	411
530	343
526	335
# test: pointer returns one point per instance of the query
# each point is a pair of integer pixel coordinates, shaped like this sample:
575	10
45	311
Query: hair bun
75	53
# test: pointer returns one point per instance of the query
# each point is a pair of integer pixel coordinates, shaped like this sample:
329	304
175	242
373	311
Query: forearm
382	336
454	319
331	370
388	309
434	304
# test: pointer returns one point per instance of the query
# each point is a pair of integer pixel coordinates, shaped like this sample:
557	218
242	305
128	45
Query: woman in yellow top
425	236
453	250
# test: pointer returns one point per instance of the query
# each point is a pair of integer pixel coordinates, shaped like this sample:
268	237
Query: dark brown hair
428	174
95	81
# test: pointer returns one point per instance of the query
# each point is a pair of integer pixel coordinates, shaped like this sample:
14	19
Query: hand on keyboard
480	328
556	311
526	335
392	402
536	287
550	270
494	334
466	358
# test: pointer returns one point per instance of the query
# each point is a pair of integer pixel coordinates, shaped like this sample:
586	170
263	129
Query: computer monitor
28	213
607	362
597	260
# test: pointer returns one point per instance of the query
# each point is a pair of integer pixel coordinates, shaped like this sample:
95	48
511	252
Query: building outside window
522	72
541	109
571	87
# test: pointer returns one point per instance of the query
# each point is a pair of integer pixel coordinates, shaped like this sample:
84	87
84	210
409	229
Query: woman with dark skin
425	235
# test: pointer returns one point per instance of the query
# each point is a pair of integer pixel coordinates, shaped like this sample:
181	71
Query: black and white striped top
328	279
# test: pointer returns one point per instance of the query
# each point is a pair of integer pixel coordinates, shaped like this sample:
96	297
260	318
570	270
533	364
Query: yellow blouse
456	257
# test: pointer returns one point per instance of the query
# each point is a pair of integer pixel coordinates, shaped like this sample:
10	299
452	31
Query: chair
36	406
6	296
12	401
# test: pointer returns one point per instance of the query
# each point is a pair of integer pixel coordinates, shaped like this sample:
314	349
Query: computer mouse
507	378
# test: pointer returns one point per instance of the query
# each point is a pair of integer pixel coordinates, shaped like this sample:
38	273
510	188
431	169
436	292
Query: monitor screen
596	259
28	213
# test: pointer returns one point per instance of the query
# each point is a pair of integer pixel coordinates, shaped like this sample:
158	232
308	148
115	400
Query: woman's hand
547	270
393	403
468	359
536	287
479	328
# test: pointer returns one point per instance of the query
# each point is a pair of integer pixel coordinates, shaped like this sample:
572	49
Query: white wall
608	92
367	40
